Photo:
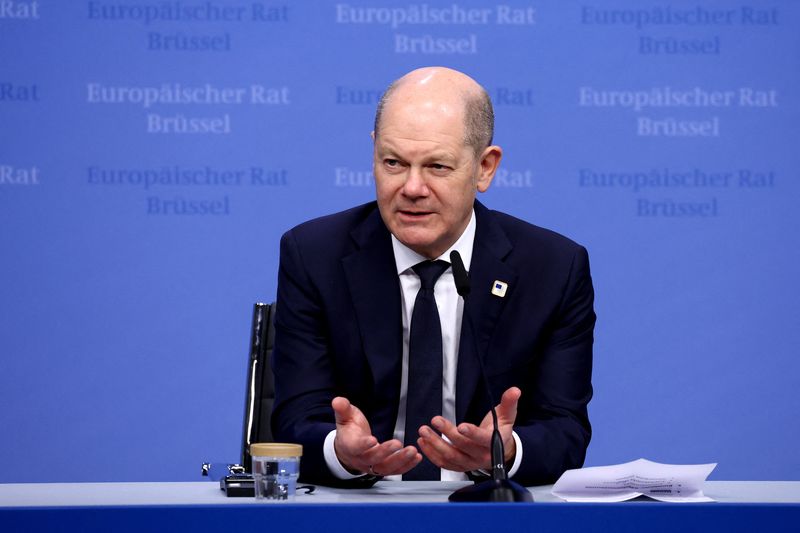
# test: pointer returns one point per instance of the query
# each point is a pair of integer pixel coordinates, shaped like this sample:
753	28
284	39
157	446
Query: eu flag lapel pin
499	288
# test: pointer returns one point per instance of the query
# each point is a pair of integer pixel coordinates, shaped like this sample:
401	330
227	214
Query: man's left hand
469	448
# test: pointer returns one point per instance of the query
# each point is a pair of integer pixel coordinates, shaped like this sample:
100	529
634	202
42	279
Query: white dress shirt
451	310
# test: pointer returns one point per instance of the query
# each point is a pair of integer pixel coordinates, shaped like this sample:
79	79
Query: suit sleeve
303	368
553	423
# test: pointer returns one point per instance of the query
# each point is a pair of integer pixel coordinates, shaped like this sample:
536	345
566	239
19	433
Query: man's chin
421	244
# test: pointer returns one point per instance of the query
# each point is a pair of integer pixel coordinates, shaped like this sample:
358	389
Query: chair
260	393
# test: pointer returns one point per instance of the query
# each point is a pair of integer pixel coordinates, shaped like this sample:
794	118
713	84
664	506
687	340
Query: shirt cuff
332	461
517	457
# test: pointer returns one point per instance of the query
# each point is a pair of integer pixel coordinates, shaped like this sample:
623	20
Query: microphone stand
499	488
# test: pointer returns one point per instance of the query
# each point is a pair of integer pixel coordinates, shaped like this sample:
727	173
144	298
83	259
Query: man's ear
490	161
372	134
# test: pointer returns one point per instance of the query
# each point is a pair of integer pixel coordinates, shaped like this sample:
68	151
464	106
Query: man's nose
415	185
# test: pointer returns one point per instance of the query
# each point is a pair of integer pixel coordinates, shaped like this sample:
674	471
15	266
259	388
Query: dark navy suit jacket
338	333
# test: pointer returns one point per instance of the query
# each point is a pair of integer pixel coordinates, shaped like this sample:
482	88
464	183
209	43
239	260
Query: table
387	507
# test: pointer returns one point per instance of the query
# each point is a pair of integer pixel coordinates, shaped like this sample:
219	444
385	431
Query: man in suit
347	363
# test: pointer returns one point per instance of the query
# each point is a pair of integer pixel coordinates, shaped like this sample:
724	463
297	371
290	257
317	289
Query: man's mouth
414	213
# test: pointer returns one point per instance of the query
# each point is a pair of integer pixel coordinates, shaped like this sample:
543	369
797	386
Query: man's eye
391	162
437	166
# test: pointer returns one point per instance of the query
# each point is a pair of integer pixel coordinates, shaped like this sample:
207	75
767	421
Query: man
351	385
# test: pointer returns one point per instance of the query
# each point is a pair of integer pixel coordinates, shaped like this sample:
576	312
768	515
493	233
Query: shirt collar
405	257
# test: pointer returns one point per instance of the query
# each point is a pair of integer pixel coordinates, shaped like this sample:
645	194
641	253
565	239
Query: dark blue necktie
424	395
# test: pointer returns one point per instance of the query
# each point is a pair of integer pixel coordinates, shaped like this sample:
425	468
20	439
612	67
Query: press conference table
387	507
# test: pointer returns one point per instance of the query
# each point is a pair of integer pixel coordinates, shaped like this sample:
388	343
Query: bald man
350	371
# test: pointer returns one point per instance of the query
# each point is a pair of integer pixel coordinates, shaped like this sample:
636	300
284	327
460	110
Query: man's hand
469	448
360	452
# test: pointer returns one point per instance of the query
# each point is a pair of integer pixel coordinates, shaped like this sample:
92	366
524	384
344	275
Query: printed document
616	483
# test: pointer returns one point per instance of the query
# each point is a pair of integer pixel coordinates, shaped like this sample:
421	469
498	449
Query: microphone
499	488
460	275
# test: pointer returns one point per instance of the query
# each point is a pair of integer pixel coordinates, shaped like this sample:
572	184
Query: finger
348	451
379	453
449	460
442	453
361	460
349	446
507	410
464	442
348	416
399	462
484	434
352	443
481	436
343	410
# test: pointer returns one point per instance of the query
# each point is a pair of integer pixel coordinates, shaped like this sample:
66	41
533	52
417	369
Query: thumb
507	410
345	412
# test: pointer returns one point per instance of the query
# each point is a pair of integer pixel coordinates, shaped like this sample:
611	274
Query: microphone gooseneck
499	488
463	285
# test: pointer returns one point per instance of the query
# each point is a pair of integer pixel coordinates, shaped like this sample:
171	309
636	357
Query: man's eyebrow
387	150
441	155
445	158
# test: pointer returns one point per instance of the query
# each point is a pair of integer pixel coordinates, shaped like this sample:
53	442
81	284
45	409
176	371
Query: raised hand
469	446
360	452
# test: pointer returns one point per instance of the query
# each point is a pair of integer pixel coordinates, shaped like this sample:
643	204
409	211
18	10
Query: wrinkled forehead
419	112
424	120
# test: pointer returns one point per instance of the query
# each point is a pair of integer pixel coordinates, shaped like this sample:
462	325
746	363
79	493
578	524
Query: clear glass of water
275	470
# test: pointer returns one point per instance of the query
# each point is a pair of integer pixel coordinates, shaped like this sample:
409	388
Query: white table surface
208	493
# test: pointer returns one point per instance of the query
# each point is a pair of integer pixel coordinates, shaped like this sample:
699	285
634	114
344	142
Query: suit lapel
487	265
374	286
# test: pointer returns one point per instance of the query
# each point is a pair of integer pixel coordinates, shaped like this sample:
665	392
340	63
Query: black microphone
463	285
460	275
499	488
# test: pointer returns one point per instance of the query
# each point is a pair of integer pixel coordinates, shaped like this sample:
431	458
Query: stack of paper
616	483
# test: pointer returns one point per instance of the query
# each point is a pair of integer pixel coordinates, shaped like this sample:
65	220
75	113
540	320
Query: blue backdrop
153	152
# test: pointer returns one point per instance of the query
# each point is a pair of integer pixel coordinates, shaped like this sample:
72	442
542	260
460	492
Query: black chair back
260	394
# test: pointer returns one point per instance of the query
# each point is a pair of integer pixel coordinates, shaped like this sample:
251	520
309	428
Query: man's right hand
360	452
